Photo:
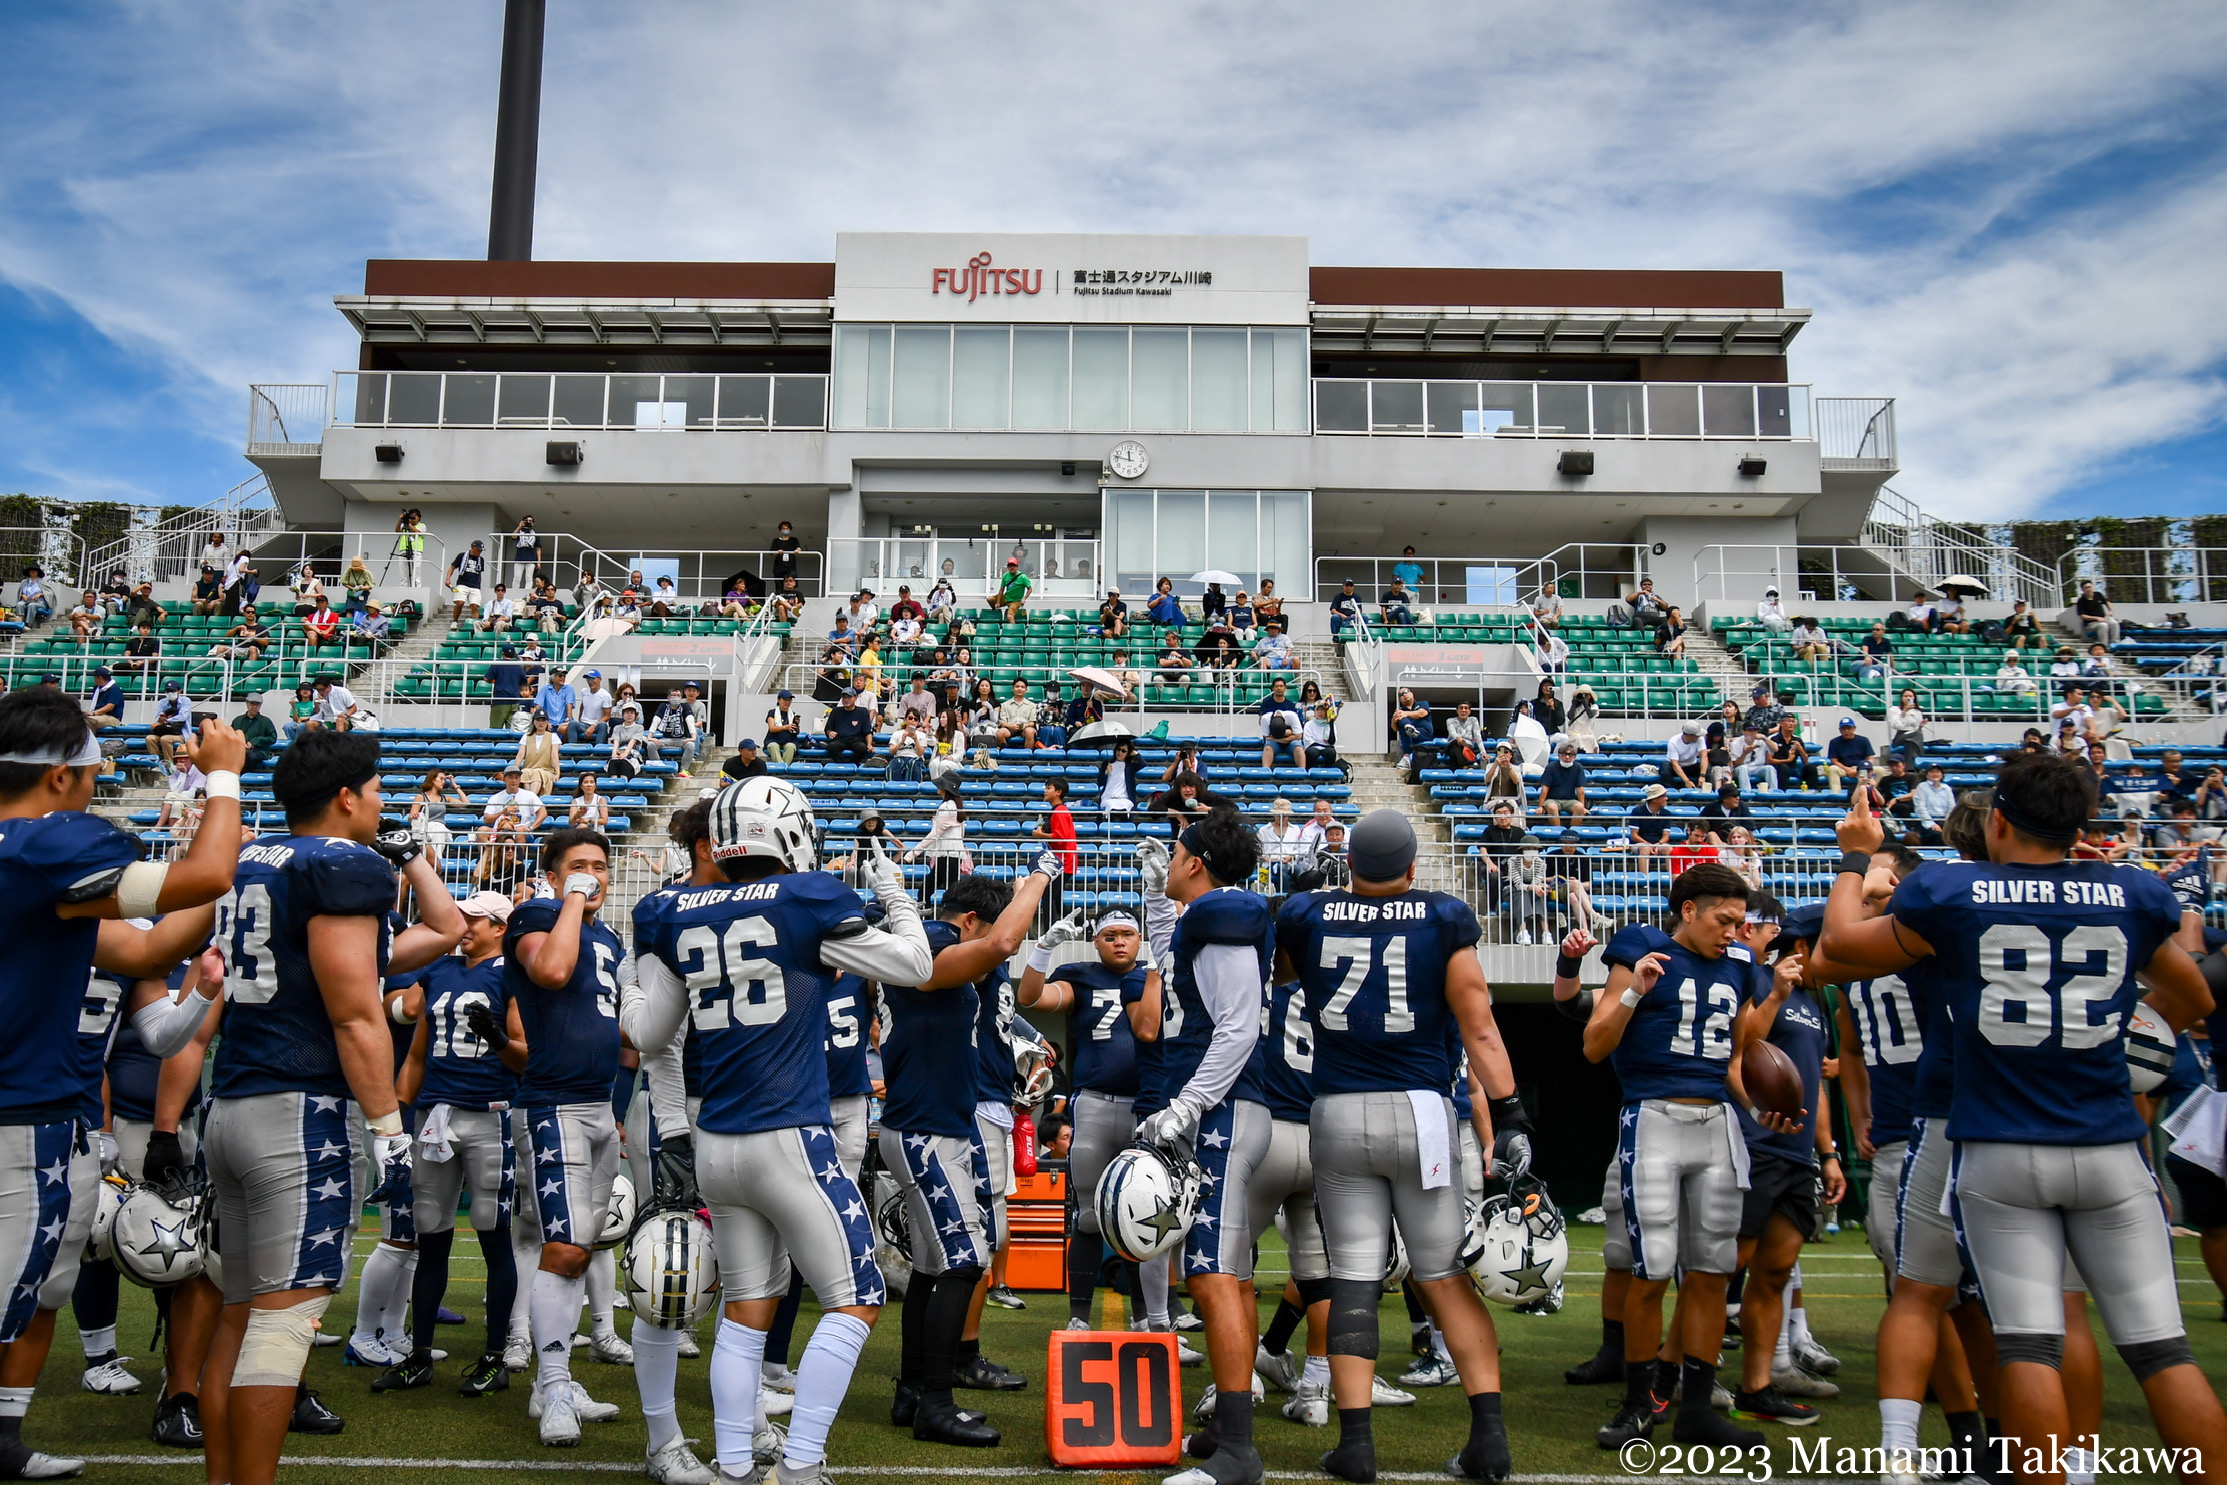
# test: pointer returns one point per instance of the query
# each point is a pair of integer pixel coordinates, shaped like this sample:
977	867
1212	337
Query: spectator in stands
173	716
1281	840
1810	641
1683	757
2173	782
1743	854
507	679
1562	786
1585	710
866	676
1772	614
2098	620
2022	630
1407	569
335	702
2074	708
1218	646
1411	724
1751	757
1649	823
1847	756
525	547
301	713
841	637
1011	594
1724	728
850	731
664	599
589	809
430	806
1789	756
1504	779
1267	606
747	763
1529	891
1465	738
1763	709
1670	634
1241	615
560	704
500	612
591	709
1212	601
904	630
1920	613
85	616
1878	656
538	760
1058	828
545	608
1119	794
626	611
2012	677
2096	669
2210	795
1187	800
503	840
104	706
1930	804
208	594
942	600
1503	838
681	721
918	702
1646	605
1397	605
1088	706
1906	728
373	625
355	586
465	574
1314	835
115	592
910	743
864	613
321	626
1546	609
515	795
1548	710
1948	614
788	602
1698	847
1017	717
629	742
141	607
1345	610
1274	652
1280	720
1113	615
1719	813
783	552
1175	661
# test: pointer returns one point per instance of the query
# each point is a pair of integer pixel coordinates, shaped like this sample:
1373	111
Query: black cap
1382	847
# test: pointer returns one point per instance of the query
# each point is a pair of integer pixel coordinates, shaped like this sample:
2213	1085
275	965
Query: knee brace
2147	1358
1353	1317
1313	1292
2012	1346
276	1346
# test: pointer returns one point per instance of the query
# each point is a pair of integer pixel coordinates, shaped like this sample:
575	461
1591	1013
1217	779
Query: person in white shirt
1682	757
594	712
500	612
666	599
941	601
334	701
2012	676
1810	642
905	631
1948	613
1772	613
1921	613
1280	842
1933	799
1319	738
1314	836
1751	759
864	612
1554	655
515	795
589	808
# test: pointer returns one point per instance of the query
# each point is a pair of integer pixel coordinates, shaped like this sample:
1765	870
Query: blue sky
2008	216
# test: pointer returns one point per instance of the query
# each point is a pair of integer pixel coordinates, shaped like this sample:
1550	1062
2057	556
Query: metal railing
1927	550
700	575
287	417
2190	574
1475	582
1235	690
564	400
1057	566
1856	433
279	557
169	550
1648	410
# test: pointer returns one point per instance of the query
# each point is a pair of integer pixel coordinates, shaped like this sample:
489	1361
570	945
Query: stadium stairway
1714	659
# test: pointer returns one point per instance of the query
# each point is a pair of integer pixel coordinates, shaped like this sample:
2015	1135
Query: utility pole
510	218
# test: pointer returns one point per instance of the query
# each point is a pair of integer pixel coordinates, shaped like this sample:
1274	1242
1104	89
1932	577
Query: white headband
88	754
1117	919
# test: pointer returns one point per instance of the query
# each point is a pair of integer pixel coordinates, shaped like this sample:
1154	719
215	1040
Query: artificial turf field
433	1434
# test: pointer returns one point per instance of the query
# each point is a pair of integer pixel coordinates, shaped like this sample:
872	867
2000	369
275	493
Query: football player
305	937
932	1144
1385	967
2041	960
1154	1278
751	964
377	1338
993	1112
461	1077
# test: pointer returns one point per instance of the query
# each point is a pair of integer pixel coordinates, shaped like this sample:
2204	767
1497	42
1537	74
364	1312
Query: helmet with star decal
1147	1201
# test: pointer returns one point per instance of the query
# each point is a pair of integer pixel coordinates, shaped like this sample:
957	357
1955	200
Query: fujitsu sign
979	278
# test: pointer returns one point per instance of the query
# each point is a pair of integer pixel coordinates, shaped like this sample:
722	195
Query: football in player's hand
1770	1079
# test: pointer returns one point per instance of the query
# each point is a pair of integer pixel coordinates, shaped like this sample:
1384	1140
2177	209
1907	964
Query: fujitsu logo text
979	278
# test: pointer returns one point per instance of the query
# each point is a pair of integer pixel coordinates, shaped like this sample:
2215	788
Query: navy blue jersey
572	1033
749	953
928	1051
1105	1049
1284	1057
1799	1031
1936	1085
2191	880
1375	972
277	1037
1226	915
96	1033
993	1037
1152	1083
1678	1043
2038	964
847	1073
134	1072
460	1068
1887	1028
44	860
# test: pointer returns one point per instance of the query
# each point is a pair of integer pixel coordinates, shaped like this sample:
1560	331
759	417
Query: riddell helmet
1525	1246
2149	1050
618	1218
110	1195
763	816
672	1271
1147	1202
1032	1072
1396	1267
156	1241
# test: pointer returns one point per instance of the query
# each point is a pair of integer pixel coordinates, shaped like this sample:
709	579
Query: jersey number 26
729	984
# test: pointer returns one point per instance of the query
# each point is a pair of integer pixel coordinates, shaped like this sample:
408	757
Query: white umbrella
1099	680
1216	575
1104	734
1963	584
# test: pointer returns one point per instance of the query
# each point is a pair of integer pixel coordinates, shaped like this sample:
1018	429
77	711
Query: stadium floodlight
1578	462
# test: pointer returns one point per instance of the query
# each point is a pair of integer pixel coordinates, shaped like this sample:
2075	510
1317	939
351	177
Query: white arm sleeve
165	1026
896	953
1159	924
1230	983
650	1009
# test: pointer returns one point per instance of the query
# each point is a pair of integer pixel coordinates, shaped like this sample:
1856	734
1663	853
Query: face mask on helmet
1522	1246
671	1269
155	1241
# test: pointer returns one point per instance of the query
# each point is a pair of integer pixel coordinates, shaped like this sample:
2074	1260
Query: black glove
673	1182
487	1026
165	1164
397	844
1511	1139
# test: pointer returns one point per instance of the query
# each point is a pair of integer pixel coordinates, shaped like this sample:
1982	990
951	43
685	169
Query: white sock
602	1285
822	1377
1799	1321
1316	1371
99	1341
1438	1345
382	1273
1153	1277
656	1378
735	1359
2080	1467
556	1310
525	1251
15	1401
397	1310
1783	1357
1898	1424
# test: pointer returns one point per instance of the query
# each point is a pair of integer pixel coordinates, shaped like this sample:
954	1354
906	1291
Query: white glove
1171	1125
104	1147
387	1149
1070	929
583	883
1152	858
1047	864
877	871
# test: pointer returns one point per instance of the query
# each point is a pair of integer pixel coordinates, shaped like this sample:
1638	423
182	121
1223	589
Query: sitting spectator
537	761
1554	654
1906	727
1218	647
2022	630
589	809
1948	614
1503	838
1051	718
1811	643
1741	852
1345	610
503	843
1280	720
748	762
1411	724
1011	594
1187	800
1241	615
104	708
141	607
1281	841
1878	655
788	602
1646	605
1772	614
500	613
1648	826
208	594
1504	779
321	626
1789	756
1213	601
560	703
183	792
909	746
1846	756
676	724
1719	813
1696	848
1267	607
1397	606
1751	757
336	704
1670	634
664	598
1562	786
1920	613
904	632
1017	717
1763	709
1274	652
355	586
116	592
2012	677
245	640
941	601
1319	737
1528	891
1175	661
1546	609
629	742
1930	804
2096	669
85	616
372	624
301	713
850	731
1682	757
1113	615
2097	618
1465	737
1549	711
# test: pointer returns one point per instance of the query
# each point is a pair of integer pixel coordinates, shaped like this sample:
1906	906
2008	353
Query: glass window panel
1672	412
1040	376
1617	411
981	371
1160	379
1233	534
1798	425
1342	407
1284	539
1728	411
920	379
1505	405
1453	408
637	401
1396	407
1562	408
694	394
1129	539
1182	537
862	376
1101	378
415	398
1291	377
744	401
800	402
470	400
371	397
579	402
1774	418
522	398
1219	380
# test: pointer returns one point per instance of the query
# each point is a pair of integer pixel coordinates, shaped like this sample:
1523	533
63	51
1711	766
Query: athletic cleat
1276	1368
956	1426
1769	1405
368	1350
1708	1428
1604	1365
981	1374
1186	1321
108	1377
776	1404
1077	1322
576	1396
606	1346
328	1338
1419	1337
1355	1461
1633	1420
1205	1407
1240	1465
689	1350
1433	1370
518	1354
754	1475
1309	1405
560	1422
814	1473
1004	1298
488	1374
676	1464
312	1416
447	1316
1795	1382
178	1421
774	1377
1383	1394
1813	1358
20	1462
766	1444
1486	1458
1901	1469
904	1404
410	1372
1720	1398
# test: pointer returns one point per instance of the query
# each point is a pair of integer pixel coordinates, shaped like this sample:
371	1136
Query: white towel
434	1138
2199	1130
1433	1146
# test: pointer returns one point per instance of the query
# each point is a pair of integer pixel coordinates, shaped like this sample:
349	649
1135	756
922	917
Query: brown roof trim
471	278
1633	288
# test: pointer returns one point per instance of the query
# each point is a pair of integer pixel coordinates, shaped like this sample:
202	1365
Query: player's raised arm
964	963
1853	940
1612	1009
896	953
2178	991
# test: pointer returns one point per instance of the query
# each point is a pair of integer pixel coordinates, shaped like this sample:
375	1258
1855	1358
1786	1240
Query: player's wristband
1631	998
388	1124
1858	862
223	784
1566	967
1040	957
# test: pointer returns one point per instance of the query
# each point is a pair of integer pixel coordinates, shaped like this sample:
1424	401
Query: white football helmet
672	1270
893	1231
1147	1202
106	1199
1032	1072
1526	1246
2149	1050
1396	1267
154	1240
618	1218
763	816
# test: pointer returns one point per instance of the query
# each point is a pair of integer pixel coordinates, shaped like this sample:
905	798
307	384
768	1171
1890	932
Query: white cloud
197	182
